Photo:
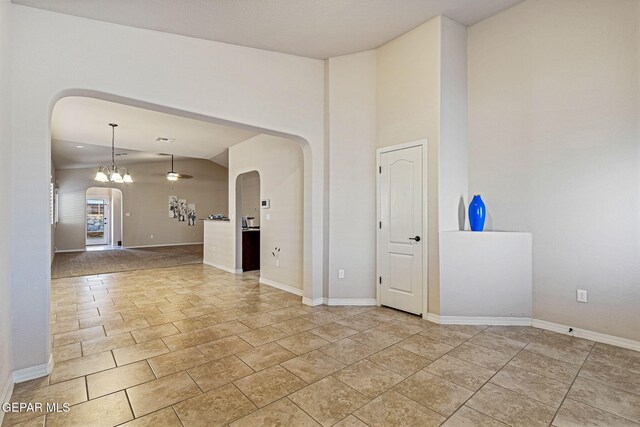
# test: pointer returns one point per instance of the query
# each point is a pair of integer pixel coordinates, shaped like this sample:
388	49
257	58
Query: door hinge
380	224
379	169
380	280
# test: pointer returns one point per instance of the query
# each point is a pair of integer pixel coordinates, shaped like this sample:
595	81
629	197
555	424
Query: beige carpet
100	262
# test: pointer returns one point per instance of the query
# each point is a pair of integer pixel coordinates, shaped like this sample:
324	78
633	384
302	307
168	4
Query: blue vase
477	213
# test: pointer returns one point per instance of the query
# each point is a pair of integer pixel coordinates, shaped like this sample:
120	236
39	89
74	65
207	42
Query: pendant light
113	174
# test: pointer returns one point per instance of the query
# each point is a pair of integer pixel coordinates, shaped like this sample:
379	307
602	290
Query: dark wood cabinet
250	250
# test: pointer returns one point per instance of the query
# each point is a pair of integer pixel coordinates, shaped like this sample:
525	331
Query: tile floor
196	346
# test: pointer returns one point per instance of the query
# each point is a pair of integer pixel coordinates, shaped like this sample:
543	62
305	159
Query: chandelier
112	173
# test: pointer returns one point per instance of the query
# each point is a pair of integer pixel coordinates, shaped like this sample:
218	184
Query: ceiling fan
174	176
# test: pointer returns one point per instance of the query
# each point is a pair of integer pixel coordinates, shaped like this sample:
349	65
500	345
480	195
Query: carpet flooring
74	264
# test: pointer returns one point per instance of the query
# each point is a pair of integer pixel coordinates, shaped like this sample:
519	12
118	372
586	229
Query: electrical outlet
581	295
341	274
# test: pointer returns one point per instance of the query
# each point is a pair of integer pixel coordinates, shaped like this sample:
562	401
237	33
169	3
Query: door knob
417	238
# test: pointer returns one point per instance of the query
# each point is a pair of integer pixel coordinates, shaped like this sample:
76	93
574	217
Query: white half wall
352	135
554	104
6	344
280	165
56	55
485	274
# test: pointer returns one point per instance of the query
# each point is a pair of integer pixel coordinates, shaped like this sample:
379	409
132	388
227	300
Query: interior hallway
193	345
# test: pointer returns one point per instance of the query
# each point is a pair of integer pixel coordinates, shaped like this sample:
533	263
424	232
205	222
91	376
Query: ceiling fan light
101	177
172	176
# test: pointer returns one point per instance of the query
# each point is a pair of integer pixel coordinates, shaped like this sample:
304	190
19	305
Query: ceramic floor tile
98	345
399	360
302	343
399	329
265	356
333	332
465	374
134	353
154	332
347	350
532	385
116	379
280	413
616	356
498	343
467	417
368	378
77	336
611	375
545	366
437	394
165	417
394	409
574	413
261	336
313	366
350	421
269	385
176	361
446	335
510	408
615	401
81	366
219	372
425	347
66	352
224	347
295	325
519	333
328	400
482	356
149	397
376	338
217	407
105	411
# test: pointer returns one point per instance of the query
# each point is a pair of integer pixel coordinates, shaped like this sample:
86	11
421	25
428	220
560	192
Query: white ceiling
313	28
85	121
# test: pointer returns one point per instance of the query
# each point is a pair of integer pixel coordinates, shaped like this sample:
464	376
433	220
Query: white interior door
401	241
97	221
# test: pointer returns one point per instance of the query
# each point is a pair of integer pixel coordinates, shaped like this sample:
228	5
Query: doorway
103	221
248	220
402	239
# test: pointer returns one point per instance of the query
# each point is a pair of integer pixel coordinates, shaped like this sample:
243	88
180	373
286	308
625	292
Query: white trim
6	395
348	301
424	143
162	246
222	267
312	302
589	335
478	320
61	251
280	286
33	372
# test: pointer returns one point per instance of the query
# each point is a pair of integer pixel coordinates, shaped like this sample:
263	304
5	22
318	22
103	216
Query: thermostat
265	204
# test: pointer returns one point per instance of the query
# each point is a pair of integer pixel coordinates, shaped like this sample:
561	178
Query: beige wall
280	165
250	190
553	114
6	345
408	109
352	134
147	202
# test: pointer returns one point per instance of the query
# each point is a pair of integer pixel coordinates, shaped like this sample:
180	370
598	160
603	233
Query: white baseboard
7	391
478	320
589	335
312	302
222	267
349	301
281	286
62	251
33	372
163	245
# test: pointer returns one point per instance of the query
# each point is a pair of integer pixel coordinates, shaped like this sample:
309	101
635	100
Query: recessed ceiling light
79	146
163	139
